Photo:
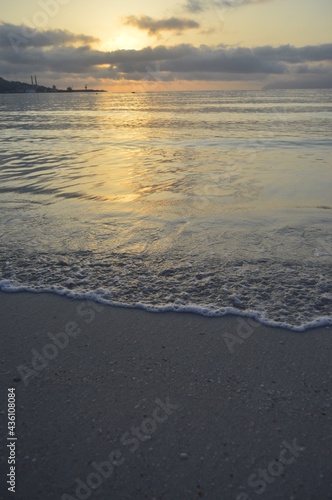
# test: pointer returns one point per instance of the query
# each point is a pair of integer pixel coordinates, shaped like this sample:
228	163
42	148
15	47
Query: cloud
195	6
55	54
25	36
293	55
203	5
187	58
154	26
238	3
316	81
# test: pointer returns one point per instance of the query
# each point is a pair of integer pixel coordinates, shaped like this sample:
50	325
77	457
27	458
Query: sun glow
126	40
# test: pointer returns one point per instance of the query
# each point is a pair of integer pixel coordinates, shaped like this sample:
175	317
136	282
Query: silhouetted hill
13	87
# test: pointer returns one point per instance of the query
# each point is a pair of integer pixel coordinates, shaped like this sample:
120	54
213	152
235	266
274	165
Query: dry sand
164	406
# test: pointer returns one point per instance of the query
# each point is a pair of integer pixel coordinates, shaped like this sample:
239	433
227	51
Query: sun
124	40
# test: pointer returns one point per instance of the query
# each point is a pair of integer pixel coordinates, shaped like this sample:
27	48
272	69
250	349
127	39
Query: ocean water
213	202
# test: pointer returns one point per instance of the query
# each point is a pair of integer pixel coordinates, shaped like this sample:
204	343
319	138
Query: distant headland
7	87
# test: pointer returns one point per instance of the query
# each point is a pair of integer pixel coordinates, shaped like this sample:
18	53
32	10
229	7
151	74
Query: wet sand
115	403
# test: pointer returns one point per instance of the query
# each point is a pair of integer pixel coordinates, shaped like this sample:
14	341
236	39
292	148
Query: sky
126	45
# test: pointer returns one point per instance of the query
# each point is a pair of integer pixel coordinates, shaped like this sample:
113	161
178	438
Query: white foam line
208	311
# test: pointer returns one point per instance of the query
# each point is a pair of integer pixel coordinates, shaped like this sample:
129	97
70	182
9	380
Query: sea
215	202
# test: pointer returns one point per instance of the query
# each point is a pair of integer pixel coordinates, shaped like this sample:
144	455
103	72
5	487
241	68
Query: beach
166	250
123	403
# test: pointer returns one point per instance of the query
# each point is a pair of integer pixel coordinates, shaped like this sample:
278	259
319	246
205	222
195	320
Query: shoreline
204	311
179	405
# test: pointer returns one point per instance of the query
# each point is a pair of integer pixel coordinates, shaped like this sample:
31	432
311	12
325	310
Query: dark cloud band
60	52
